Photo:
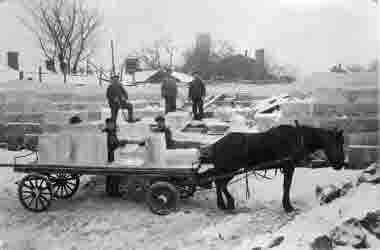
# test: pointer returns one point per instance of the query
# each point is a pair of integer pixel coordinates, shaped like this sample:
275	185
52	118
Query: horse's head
333	142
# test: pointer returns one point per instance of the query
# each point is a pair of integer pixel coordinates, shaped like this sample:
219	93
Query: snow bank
322	219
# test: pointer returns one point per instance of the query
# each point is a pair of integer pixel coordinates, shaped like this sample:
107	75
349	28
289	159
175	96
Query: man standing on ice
118	99
169	92
197	93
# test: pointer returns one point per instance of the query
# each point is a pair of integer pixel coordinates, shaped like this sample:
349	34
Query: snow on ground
90	220
320	220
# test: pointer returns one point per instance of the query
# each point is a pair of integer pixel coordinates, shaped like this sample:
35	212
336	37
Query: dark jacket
169	88
197	89
112	140
116	94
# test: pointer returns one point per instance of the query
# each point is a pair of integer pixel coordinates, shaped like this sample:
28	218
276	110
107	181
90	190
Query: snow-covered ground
90	220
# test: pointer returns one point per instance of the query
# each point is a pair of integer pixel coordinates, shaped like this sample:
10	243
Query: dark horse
237	151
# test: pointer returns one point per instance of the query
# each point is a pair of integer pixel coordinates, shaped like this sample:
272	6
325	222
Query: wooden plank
100	170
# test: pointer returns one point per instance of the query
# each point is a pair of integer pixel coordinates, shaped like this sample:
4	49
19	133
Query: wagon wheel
162	198
64	185
35	192
187	191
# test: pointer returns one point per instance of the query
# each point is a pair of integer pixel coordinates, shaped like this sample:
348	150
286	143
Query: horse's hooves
222	207
289	209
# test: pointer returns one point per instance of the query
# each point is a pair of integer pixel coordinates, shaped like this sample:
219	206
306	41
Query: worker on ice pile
170	142
118	99
197	93
169	92
112	182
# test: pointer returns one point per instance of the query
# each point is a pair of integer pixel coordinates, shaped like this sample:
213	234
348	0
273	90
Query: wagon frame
164	186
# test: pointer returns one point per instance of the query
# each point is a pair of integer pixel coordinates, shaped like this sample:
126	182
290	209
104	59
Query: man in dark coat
197	93
169	92
170	142
117	99
112	182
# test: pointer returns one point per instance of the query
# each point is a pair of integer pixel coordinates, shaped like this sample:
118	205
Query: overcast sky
309	34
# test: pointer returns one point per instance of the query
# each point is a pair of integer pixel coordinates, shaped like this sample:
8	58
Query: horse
237	151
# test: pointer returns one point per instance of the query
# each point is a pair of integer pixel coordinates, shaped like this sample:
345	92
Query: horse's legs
288	176
220	201
230	199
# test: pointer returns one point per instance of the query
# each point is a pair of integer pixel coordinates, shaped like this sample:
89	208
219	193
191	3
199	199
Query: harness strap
247	191
300	152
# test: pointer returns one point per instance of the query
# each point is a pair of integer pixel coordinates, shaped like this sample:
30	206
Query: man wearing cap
197	93
169	92
170	142
117	98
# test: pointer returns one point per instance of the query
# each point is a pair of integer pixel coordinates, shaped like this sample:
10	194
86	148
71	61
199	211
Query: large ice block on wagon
134	131
304	108
89	148
181	157
54	149
156	149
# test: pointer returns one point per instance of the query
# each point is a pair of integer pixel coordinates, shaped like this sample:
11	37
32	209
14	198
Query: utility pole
113	59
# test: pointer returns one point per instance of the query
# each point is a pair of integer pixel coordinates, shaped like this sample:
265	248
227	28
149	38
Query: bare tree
373	66
355	68
65	30
222	49
154	55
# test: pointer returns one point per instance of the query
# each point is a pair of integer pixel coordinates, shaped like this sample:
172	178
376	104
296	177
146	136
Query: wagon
44	183
164	187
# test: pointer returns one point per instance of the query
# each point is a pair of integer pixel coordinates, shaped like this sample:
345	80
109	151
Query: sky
311	35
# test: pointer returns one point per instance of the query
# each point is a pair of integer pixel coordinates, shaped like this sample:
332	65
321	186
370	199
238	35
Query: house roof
146	75
140	76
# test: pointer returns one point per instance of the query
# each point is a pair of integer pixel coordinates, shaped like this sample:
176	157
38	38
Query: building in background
13	60
202	54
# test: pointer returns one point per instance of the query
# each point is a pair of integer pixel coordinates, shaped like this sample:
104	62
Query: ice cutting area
91	220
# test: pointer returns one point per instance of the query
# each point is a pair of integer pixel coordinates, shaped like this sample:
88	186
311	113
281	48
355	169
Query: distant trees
354	68
65	29
206	56
214	59
337	69
158	54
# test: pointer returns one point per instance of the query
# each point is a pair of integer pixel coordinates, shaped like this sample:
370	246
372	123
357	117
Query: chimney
259	54
13	57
